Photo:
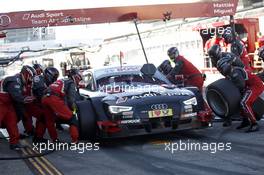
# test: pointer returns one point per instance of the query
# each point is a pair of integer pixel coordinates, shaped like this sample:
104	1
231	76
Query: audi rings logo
159	106
5	20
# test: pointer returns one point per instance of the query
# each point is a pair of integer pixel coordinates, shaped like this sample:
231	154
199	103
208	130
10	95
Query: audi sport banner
41	18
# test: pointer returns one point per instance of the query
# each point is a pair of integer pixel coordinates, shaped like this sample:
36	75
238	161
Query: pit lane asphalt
147	155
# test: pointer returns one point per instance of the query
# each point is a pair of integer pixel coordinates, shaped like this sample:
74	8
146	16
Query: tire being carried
223	97
87	120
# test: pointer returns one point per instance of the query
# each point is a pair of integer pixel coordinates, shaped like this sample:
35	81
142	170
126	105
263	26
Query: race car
125	101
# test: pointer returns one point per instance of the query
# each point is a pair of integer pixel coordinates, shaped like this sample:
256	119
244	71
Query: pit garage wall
156	44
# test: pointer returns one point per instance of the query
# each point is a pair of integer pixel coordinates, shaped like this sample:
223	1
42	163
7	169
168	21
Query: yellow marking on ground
51	166
35	165
45	161
37	159
159	142
48	163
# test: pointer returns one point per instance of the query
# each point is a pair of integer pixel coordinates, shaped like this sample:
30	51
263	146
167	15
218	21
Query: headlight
191	101
118	109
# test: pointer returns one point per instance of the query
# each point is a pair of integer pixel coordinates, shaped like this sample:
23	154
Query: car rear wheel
87	120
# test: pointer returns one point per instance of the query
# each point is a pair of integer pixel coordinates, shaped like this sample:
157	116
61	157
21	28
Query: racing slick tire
87	120
223	98
258	106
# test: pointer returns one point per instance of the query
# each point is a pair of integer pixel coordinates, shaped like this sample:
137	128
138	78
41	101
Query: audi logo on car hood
159	106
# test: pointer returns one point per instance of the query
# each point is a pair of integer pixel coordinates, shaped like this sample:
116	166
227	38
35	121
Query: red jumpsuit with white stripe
55	107
254	88
35	108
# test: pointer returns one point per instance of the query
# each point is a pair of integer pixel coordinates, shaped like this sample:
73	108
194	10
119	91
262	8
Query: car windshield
135	79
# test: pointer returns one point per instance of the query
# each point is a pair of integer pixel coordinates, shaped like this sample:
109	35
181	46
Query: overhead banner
41	18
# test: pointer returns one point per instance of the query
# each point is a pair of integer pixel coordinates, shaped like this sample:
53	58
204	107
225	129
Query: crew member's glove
29	99
179	80
74	108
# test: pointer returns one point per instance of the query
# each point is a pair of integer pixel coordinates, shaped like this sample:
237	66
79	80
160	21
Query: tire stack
224	99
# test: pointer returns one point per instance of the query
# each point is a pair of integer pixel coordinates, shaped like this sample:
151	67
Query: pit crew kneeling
250	86
59	103
40	84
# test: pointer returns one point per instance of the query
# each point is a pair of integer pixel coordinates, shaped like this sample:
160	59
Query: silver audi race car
123	101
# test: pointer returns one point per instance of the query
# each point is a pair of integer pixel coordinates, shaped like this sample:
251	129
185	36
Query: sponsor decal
121	100
130	121
122	69
188	108
128	113
223	8
153	94
183	116
160	113
5	20
127	116
36	79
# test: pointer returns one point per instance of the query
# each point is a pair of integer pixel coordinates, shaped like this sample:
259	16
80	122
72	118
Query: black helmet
27	73
261	52
228	35
75	75
224	66
38	68
51	74
173	52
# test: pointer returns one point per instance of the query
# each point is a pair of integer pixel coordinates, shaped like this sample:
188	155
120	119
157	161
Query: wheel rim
217	103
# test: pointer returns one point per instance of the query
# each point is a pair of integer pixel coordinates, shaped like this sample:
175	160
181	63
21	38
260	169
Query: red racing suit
215	40
35	108
17	90
8	118
251	86
254	88
58	104
192	76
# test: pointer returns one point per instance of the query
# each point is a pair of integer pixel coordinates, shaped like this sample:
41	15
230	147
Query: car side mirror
148	69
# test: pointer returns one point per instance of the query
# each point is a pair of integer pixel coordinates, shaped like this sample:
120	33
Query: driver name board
42	18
